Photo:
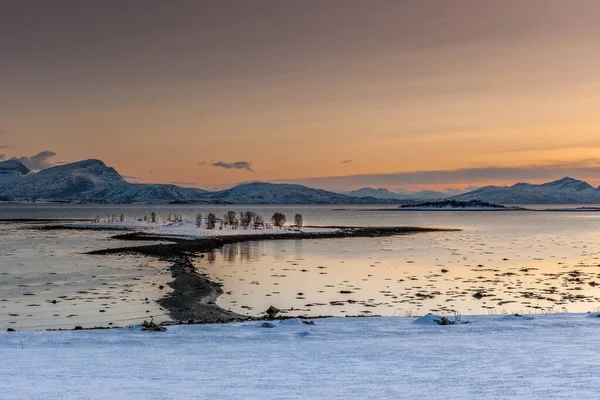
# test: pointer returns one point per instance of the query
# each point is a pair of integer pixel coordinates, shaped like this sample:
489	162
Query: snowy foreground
492	357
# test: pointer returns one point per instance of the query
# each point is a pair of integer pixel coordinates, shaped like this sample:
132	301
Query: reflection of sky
505	262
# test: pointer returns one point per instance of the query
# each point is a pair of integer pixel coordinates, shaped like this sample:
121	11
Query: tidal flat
496	263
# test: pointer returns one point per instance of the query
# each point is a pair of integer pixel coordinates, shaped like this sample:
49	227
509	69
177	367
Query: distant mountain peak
14	165
566	179
571	183
562	191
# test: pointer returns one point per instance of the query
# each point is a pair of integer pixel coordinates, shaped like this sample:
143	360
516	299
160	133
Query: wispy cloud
3	146
183	184
346	161
39	161
485	175
242	165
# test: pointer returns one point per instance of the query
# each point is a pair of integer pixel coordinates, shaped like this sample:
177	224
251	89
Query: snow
93	181
11	171
188	229
491	357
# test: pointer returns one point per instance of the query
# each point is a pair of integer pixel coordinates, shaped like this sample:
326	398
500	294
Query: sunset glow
334	94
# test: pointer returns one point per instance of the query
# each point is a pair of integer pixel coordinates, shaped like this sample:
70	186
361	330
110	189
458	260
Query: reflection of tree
244	251
211	256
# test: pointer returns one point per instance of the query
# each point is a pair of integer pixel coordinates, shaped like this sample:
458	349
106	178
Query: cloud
132	179
346	161
2	157
485	175
184	184
243	165
3	146
38	161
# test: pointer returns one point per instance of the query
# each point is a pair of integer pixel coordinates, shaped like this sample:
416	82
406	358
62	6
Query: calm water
519	261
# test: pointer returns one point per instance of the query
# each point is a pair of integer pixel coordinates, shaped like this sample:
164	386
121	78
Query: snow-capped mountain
272	193
563	191
65	182
149	193
12	170
92	181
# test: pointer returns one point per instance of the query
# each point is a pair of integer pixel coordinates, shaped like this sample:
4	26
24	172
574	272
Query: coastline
193	299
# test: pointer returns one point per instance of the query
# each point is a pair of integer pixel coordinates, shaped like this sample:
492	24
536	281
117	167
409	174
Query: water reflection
253	251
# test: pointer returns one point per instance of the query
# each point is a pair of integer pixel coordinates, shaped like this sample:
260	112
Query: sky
337	94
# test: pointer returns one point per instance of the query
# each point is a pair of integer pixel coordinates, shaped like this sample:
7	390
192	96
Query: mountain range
92	181
563	191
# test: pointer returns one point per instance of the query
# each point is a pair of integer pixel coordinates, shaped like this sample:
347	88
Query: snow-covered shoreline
188	229
491	357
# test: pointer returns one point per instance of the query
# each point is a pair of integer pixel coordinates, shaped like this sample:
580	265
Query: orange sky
312	89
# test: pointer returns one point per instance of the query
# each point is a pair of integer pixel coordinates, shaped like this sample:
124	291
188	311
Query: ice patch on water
291	322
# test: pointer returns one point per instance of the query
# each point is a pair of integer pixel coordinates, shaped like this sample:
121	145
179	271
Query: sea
499	262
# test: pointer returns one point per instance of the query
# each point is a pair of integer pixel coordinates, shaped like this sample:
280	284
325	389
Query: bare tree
230	218
246	218
211	221
299	220
258	222
199	220
122	217
278	219
153	217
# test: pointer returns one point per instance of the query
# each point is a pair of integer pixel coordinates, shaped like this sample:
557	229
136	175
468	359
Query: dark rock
444	271
308	322
478	295
10	330
152	327
272	312
444	321
268	325
78	328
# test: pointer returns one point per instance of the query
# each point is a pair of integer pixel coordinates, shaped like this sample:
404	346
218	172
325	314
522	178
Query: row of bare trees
245	220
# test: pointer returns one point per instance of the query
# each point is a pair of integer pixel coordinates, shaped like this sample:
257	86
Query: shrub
211	221
230	218
258	221
278	219
246	219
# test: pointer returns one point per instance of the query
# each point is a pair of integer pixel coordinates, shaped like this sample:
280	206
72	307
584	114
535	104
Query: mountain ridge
92	181
565	190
